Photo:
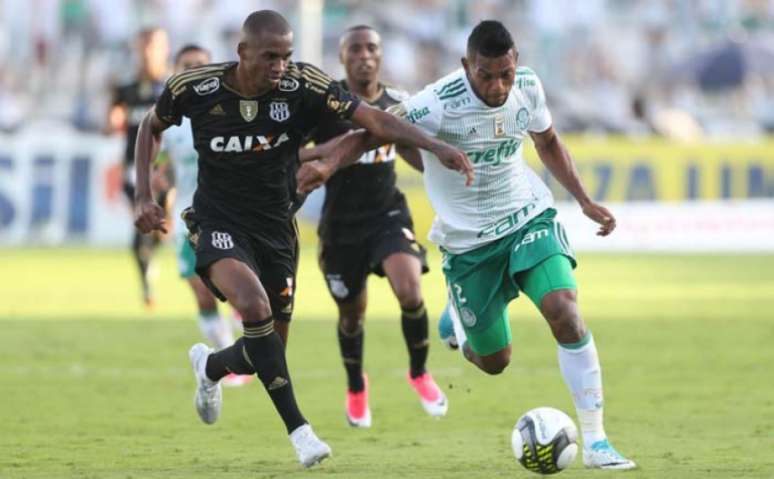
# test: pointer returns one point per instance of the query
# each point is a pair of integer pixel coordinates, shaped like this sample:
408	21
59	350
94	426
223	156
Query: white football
545	440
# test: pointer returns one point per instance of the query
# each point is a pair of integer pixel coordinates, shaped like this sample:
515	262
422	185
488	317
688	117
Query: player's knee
350	324
251	304
351	318
560	308
496	363
496	367
409	294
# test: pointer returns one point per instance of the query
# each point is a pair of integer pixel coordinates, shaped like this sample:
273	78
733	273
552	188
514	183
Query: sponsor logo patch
468	317
222	240
288	291
277	383
337	286
289	84
217	110
522	119
417	114
207	86
279	111
248	109
237	144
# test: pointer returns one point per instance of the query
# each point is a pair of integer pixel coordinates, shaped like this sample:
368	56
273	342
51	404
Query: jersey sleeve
540	119
423	110
324	97
171	105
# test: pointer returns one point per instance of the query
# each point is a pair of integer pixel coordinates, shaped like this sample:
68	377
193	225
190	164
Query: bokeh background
667	101
668	109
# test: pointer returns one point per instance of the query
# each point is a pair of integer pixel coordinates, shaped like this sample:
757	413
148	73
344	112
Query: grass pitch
93	386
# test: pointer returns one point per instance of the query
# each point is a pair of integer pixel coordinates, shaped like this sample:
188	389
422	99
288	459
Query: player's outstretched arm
390	129
321	161
148	215
412	156
557	159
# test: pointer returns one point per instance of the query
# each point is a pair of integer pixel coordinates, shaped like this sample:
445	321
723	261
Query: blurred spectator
609	65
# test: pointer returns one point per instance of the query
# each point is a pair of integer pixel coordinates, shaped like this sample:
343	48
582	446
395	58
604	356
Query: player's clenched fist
149	216
312	174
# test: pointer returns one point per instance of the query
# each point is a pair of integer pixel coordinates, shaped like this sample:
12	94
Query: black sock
228	360
265	351
414	325
351	347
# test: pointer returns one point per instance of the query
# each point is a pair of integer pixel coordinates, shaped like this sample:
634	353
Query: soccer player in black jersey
130	103
248	120
365	228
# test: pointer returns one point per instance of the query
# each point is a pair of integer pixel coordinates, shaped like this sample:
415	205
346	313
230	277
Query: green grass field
92	386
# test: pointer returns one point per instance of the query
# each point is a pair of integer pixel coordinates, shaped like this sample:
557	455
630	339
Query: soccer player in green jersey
499	236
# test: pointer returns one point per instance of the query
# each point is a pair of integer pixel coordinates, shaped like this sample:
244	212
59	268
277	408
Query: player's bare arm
391	129
148	214
380	128
557	159
412	156
321	161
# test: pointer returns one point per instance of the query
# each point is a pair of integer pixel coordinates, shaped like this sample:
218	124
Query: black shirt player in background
366	227
248	120
129	105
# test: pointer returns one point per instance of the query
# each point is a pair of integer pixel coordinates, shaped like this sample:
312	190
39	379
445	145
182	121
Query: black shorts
347	266
275	268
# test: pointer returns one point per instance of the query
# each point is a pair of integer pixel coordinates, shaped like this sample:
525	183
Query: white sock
215	330
459	331
580	368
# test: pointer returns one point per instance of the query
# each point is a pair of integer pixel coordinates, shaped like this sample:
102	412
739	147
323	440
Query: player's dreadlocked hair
189	47
490	38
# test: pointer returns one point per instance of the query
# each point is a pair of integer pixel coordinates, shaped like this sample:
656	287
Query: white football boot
602	455
309	448
208	398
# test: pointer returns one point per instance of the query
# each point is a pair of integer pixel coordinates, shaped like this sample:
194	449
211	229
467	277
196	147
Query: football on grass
545	440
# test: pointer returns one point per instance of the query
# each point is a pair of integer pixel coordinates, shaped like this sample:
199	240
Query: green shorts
186	257
536	259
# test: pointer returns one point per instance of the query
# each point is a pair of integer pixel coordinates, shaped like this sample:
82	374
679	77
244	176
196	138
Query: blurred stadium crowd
679	68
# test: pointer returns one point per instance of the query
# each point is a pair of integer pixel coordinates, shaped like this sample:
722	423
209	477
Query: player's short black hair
266	21
356	28
189	47
490	38
360	27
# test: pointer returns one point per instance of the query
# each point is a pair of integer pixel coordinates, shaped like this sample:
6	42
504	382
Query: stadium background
667	107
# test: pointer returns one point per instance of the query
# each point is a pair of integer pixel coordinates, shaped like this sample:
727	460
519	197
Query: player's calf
414	325
266	353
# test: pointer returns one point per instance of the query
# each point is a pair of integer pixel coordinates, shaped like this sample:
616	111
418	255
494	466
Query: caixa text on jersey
239	144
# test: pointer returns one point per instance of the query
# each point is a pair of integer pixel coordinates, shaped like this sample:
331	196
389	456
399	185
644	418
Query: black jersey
248	146
138	97
357	197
